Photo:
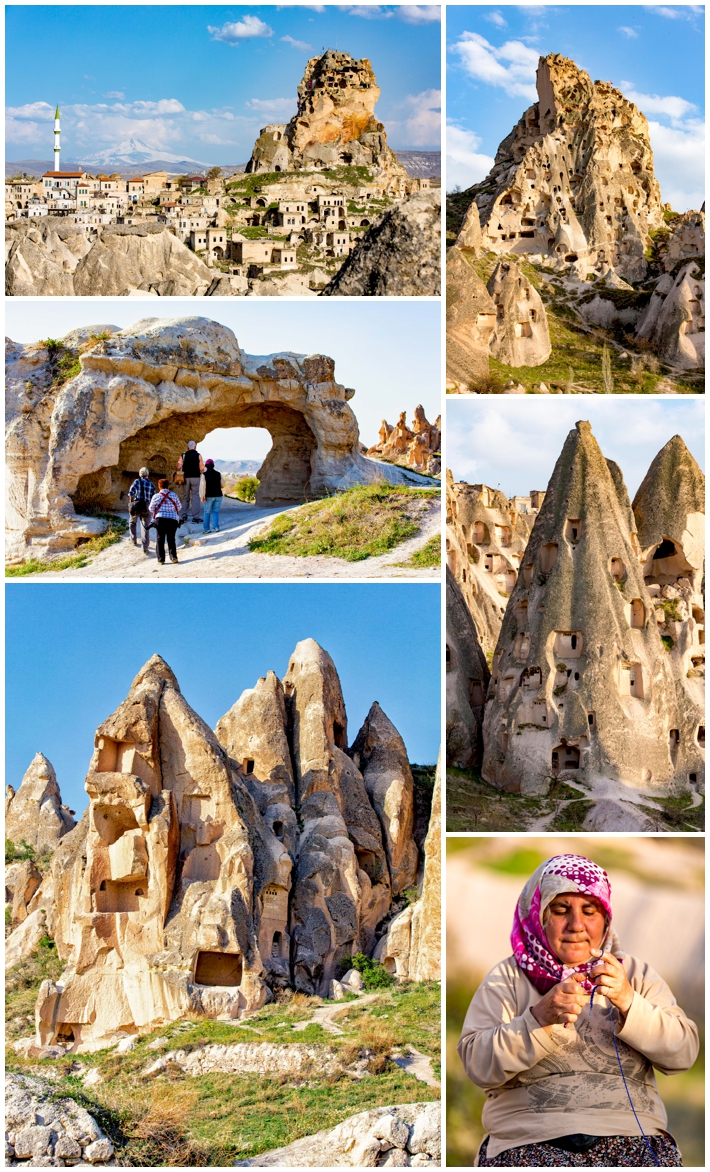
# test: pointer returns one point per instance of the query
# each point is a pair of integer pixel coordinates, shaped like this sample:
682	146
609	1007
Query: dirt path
226	554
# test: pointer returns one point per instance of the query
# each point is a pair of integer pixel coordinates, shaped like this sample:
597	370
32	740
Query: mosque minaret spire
56	138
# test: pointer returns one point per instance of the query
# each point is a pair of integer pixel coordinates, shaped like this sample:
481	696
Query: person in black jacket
191	466
213	496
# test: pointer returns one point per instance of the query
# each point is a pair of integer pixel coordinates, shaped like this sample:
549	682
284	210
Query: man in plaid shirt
140	495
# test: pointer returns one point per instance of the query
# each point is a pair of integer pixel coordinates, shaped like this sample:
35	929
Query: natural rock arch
139	396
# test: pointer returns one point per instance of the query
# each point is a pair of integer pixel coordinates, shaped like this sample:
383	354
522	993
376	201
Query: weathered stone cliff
470	324
334	124
140	395
467	677
398	257
418	447
35	813
583	687
212	869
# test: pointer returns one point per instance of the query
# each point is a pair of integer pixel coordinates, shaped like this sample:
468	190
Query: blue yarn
652	1154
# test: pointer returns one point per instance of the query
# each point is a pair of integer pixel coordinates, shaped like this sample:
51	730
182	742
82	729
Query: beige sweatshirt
542	1085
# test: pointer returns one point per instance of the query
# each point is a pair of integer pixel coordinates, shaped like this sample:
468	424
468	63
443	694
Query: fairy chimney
583	686
470	325
521	336
35	813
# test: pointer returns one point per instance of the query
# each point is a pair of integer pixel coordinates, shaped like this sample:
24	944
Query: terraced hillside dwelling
597	676
594	284
315	191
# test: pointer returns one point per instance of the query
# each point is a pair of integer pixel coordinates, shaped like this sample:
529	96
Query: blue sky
513	443
200	81
72	652
654	54
372	342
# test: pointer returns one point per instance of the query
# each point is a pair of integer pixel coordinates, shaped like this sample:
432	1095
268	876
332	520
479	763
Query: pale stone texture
35	814
470	324
213	869
364	1140
521	336
42	1128
467	677
140	396
398	257
583	688
418	448
674	319
547	195
334	124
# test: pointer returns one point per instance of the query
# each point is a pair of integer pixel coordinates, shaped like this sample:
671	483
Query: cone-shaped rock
674	319
574	179
521	336
582	684
35	814
467	678
470	322
379	752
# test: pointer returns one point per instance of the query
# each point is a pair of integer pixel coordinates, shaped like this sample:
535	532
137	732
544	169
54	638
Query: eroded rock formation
418	447
486	536
574	180
467	677
520	336
334	124
470	323
35	813
212	869
398	257
44	1130
583	686
674	320
139	396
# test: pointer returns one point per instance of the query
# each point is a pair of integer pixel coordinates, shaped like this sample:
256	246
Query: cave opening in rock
283	469
218	968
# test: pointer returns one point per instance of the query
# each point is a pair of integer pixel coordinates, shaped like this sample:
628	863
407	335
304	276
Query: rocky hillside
606	282
398	257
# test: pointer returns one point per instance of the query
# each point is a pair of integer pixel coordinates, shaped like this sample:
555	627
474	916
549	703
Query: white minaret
56	139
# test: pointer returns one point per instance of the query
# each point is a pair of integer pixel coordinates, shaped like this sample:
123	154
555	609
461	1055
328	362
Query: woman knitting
550	1030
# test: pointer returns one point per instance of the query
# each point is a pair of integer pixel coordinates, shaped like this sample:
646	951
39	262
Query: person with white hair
192	467
140	495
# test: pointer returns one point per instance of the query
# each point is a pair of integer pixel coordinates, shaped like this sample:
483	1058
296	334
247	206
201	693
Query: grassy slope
473	804
213	1120
360	523
117	526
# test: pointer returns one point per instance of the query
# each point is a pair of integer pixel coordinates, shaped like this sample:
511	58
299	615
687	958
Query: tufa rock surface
467	677
574	180
212	869
583	687
334	124
35	813
398	257
674	319
418	447
43	1130
140	395
470	324
520	336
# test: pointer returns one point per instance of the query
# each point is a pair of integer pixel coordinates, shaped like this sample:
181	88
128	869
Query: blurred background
658	900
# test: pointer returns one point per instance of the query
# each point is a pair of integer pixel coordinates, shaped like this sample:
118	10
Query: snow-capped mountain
131	151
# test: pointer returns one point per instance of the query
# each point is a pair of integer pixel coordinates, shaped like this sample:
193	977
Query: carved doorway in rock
284	476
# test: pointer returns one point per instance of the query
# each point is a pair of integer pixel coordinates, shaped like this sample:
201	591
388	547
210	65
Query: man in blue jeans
191	466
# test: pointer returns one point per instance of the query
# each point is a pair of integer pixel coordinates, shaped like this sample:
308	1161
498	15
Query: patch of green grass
429	555
676	812
473	804
670	608
374	974
363	522
667	642
22	984
18	852
571	815
117	526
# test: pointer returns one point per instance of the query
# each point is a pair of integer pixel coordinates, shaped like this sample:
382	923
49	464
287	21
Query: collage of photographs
348	696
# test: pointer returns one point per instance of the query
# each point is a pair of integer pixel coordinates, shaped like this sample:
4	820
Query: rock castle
327	180
573	194
598	670
212	869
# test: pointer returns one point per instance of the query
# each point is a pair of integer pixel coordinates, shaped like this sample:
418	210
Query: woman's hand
562	1004
611	981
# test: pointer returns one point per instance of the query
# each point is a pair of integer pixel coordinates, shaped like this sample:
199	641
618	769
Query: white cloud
497	19
305	48
418	13
114	94
420	124
369	11
628	32
482	61
41	111
672	107
272	105
464	165
679	163
235	31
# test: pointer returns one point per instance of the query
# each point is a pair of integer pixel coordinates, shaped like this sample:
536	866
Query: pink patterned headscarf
571	874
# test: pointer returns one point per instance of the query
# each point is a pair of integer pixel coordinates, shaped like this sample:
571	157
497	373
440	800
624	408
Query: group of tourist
162	510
